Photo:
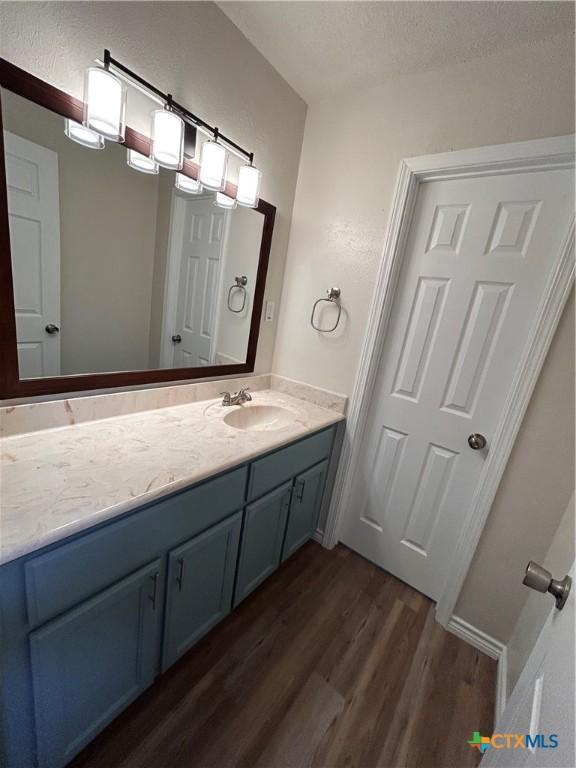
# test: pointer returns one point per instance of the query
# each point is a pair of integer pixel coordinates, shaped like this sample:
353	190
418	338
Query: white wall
350	156
194	51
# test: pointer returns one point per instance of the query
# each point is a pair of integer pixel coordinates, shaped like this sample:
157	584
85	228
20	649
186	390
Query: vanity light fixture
248	192
213	163
224	201
141	163
187	184
82	135
174	131
105	102
167	138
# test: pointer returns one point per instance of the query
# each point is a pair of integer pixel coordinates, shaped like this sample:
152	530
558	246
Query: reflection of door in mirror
196	245
208	248
34	219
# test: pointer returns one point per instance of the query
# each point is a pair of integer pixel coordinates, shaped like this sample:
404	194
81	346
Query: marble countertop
57	482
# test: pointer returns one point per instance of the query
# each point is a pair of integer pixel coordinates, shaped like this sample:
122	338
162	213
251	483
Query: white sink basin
259	418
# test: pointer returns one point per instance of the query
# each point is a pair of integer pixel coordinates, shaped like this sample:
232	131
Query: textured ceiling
323	48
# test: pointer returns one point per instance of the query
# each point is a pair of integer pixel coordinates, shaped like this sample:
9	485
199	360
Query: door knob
541	580
476	441
176	338
52	329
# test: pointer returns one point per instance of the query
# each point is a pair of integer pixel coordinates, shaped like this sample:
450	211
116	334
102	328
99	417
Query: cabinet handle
180	575
152	597
300	491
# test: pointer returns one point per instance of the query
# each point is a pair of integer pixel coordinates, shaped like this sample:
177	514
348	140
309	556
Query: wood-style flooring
332	662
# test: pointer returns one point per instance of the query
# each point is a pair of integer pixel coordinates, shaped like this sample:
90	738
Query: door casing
526	156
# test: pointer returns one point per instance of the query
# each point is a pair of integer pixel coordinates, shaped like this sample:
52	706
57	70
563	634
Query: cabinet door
200	585
264	525
305	508
90	663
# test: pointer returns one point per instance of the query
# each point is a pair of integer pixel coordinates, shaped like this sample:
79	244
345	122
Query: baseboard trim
318	536
491	647
474	636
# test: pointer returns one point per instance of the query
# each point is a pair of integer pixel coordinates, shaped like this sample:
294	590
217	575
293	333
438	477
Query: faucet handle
245	393
227	398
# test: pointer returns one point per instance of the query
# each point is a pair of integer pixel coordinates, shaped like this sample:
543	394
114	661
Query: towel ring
332	297
239	282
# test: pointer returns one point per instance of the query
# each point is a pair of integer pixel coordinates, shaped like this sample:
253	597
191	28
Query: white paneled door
202	231
34	218
478	256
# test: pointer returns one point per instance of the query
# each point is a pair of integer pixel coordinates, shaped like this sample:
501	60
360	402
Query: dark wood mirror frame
32	88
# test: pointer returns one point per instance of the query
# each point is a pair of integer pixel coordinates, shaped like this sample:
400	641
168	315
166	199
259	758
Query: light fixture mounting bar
190	117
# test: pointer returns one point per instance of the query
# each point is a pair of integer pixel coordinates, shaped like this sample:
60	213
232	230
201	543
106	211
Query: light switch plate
269	312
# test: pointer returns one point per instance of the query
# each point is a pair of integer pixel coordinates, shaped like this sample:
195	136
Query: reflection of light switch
269	313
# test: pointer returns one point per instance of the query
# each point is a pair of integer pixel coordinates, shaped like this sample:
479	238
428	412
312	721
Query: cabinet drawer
272	470
68	574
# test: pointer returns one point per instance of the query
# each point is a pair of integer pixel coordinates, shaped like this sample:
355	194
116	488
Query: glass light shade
141	163
248	192
223	201
104	103
187	184
213	165
167	139
82	135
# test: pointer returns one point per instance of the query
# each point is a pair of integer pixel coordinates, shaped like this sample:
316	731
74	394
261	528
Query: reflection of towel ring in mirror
332	297
239	282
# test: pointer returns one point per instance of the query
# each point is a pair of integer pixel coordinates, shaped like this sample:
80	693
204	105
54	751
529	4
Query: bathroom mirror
111	276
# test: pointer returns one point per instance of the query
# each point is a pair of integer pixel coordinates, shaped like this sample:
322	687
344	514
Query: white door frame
526	156
171	280
221	287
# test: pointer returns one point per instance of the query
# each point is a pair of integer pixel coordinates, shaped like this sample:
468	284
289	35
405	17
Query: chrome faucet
238	398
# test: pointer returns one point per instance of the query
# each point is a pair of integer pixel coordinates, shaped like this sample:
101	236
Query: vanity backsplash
33	417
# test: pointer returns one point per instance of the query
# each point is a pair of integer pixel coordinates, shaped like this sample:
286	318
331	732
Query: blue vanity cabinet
91	662
282	519
200	585
86	624
304	508
262	538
